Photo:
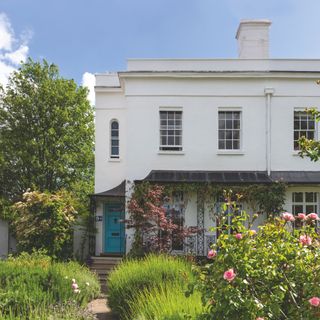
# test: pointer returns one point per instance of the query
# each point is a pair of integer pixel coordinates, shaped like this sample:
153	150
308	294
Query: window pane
229	115
228	144
236	115
297	209
115	143
229	124
114	150
114	125
170	140
177	141
310	208
221	124
222	134
163	141
236	144
222	144
222	115
114	133
297	196
310	135
236	124
228	134
310	197
236	134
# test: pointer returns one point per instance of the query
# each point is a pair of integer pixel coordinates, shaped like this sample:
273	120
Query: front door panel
114	229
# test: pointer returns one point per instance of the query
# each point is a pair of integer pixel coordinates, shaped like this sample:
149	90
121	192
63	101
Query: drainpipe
268	93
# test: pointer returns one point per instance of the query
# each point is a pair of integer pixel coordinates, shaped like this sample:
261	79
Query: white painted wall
201	95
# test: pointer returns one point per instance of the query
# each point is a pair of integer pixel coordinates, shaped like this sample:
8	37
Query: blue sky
99	35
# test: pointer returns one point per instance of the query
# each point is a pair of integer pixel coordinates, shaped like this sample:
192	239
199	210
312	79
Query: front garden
33	286
272	273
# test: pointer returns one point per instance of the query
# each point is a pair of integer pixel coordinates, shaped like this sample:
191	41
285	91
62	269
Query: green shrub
69	311
271	274
133	276
33	282
166	302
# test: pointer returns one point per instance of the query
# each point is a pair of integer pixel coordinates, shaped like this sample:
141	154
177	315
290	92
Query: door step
102	266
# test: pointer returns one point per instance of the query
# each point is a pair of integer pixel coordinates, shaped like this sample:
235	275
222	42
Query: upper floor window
170	130
304	202
229	130
304	126
114	139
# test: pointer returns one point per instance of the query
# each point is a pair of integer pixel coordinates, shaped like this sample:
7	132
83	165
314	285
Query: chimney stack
253	39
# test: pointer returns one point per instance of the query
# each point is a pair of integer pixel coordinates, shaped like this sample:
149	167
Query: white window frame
304	204
295	151
231	151
180	148
113	157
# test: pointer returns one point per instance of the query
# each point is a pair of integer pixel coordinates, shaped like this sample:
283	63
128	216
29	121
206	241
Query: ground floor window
304	202
175	211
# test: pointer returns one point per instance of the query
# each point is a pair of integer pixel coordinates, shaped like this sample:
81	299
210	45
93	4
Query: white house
214	121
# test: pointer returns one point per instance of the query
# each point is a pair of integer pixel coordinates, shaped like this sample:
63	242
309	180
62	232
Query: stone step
102	266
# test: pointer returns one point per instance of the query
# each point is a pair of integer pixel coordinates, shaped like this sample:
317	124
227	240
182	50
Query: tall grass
30	284
133	276
166	302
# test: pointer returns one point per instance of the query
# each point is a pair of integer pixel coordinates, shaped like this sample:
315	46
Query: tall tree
46	131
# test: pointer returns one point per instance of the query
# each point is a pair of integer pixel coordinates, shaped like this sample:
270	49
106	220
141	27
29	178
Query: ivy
262	198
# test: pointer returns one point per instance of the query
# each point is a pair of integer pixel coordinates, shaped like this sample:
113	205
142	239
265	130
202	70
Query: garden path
100	309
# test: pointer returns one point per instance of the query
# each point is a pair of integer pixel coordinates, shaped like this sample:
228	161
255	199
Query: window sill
230	152
295	153
181	153
114	159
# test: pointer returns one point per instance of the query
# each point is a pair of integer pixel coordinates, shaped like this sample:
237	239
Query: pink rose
238	236
229	275
259	318
211	254
288	216
74	286
314	301
305	240
312	216
302	216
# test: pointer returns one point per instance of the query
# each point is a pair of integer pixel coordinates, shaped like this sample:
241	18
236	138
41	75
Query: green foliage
168	301
45	221
46	131
32	286
134	276
308	147
275	275
268	198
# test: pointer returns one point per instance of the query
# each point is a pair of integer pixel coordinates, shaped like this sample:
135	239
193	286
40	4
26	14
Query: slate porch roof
228	177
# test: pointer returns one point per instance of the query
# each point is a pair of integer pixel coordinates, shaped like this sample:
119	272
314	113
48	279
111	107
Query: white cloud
19	55
88	80
6	33
12	50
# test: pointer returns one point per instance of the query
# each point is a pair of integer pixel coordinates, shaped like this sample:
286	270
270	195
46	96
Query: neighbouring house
211	121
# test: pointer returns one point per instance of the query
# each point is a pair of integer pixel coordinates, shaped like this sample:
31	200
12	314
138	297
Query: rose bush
269	274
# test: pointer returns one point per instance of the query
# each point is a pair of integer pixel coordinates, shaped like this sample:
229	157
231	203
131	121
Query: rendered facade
204	120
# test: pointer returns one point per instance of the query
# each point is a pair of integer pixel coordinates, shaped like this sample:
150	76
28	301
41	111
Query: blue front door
114	229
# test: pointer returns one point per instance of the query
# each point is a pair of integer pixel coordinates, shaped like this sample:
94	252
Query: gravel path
100	309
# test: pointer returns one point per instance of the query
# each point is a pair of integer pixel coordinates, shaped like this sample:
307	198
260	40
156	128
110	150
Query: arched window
114	139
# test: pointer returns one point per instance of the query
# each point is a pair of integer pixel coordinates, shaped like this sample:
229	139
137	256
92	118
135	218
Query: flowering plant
269	274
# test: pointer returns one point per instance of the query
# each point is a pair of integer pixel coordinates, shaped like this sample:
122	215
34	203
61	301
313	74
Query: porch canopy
177	176
118	191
